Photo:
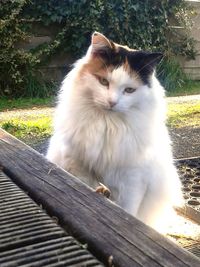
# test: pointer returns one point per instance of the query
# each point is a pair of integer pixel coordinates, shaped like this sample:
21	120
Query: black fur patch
141	62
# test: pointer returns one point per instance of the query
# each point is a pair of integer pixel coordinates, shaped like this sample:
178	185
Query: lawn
29	119
184	114
30	125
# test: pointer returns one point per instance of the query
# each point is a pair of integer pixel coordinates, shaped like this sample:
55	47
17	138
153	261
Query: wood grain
109	232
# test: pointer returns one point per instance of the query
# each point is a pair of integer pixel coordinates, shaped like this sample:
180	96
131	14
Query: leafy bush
18	68
140	24
13	62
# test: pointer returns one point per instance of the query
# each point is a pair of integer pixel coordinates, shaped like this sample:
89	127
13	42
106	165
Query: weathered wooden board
29	237
111	234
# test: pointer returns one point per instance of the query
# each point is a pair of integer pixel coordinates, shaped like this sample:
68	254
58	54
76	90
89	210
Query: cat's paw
102	189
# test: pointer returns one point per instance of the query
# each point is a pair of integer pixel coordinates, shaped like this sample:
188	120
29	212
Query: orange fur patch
97	66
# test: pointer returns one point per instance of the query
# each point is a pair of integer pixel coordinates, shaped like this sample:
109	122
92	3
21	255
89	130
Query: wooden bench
29	237
114	237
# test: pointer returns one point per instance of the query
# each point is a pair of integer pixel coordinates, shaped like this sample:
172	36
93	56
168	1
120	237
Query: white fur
127	148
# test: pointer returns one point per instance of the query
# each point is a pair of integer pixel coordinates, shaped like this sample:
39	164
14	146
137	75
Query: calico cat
110	127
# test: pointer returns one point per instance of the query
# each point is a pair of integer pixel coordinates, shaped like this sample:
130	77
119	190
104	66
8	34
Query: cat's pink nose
112	103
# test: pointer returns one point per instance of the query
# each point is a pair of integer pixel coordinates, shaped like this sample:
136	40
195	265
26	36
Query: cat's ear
152	59
100	44
144	63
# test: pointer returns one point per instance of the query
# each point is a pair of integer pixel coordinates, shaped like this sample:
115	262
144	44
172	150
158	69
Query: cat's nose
112	103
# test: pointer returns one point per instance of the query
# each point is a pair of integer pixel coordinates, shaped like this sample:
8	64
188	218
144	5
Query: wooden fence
192	67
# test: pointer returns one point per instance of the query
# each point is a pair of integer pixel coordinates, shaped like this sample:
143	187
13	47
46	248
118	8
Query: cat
109	127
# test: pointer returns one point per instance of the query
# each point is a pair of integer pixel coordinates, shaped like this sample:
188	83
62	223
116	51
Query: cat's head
115	76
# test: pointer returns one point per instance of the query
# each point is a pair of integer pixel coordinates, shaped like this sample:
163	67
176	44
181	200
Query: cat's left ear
100	44
152	59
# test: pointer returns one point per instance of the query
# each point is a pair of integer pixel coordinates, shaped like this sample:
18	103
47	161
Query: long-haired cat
110	128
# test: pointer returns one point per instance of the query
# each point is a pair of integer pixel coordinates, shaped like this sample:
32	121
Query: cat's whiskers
146	65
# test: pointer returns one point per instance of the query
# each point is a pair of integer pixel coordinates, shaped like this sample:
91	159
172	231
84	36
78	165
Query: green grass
22	103
29	119
30	131
186	114
29	125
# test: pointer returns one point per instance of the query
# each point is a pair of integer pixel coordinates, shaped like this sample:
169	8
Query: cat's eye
129	90
103	81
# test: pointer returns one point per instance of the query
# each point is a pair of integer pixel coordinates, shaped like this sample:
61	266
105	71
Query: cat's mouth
107	107
110	107
101	105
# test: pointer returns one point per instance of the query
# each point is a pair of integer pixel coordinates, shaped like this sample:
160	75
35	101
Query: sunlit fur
126	147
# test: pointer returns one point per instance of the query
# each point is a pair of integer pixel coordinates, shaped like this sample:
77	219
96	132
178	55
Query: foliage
170	74
139	24
11	58
189	87
18	68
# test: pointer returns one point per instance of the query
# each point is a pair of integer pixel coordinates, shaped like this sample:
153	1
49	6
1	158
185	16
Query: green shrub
139	24
170	74
18	68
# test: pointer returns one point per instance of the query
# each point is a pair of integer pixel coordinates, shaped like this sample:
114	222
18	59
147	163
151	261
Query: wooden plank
37	241
111	234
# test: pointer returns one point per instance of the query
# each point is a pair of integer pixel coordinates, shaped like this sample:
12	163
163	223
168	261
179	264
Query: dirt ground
185	142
